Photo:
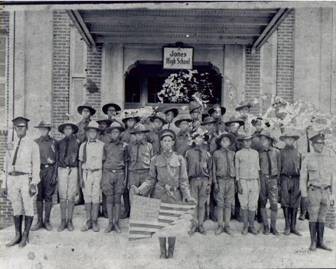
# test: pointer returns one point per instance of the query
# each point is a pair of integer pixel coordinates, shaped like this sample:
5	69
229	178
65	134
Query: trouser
198	190
225	199
318	203
47	184
18	194
290	191
136	178
269	191
113	184
249	198
91	190
67	183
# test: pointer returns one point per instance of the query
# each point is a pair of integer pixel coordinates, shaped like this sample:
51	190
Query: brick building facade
70	64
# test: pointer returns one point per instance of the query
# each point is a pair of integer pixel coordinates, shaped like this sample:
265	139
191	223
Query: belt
92	170
226	177
68	167
200	178
270	177
115	170
47	165
284	175
17	173
320	187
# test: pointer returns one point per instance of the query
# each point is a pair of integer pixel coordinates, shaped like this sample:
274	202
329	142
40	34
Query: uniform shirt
68	152
167	169
247	164
115	155
27	158
223	163
198	162
81	129
153	137
47	146
290	161
317	169
127	137
92	158
139	155
182	142
271	155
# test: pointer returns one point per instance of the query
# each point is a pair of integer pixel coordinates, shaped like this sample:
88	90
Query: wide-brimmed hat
225	134
245	136
234	119
92	125
68	123
43	124
20	121
209	120
185	117
317	137
174	110
194	105
106	106
89	107
116	125
139	128
243	104
217	107
267	134
167	132
132	115
107	121
158	115
290	134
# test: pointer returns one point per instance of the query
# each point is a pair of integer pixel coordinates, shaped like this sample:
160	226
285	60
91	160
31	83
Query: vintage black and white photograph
167	134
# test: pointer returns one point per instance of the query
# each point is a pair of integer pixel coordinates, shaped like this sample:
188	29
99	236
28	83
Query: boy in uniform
103	125
171	114
270	166
140	153
22	167
316	183
129	121
114	175
223	172
111	110
67	161
48	175
86	111
183	135
217	113
195	110
290	181
199	168
158	120
247	180
90	174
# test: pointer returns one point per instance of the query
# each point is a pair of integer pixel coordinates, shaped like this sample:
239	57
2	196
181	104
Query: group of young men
229	165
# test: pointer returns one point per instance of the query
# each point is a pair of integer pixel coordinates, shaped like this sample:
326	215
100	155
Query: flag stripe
154	226
141	232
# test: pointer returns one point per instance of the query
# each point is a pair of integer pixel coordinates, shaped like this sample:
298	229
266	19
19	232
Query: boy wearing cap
158	120
114	175
217	113
270	167
244	109
209	124
140	153
168	176
316	184
247	180
90	174
223	173
233	125
290	181
67	160
103	125
183	135
195	109
199	169
129	121
111	110
171	114
86	111
48	175
22	167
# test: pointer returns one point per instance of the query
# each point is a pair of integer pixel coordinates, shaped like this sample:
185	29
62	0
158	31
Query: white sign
177	58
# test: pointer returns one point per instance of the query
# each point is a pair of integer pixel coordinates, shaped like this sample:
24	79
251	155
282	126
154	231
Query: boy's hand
239	187
216	188
134	190
32	189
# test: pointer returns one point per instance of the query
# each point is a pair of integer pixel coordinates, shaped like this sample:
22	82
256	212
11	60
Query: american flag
148	216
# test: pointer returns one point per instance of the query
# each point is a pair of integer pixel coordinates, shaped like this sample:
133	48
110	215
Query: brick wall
252	77
285	58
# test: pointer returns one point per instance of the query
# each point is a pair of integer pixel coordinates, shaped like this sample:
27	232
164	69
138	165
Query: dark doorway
144	80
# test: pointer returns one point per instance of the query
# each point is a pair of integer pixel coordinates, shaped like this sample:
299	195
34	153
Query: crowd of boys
233	168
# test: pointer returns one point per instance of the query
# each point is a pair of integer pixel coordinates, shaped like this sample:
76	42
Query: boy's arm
303	178
213	171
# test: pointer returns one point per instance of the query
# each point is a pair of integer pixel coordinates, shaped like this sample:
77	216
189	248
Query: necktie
227	162
16	152
84	153
269	162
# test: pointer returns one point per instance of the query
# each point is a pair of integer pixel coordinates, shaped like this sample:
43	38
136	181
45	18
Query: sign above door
177	58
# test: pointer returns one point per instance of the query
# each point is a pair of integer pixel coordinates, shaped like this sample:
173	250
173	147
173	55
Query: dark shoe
251	217
193	229
163	249
39	223
71	206
117	228
127	208
109	228
293	222
287	215
47	211
320	233
264	218
274	215
171	246
87	226
48	226
312	230
63	225
274	231
25	235
18	231
266	230
227	230
219	230
95	211
201	229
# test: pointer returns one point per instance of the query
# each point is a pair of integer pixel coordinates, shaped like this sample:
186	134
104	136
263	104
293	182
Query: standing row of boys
235	169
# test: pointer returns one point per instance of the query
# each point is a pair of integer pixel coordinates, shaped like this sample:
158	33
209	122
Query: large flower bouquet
186	85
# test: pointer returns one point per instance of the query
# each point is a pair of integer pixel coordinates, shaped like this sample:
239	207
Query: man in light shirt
22	167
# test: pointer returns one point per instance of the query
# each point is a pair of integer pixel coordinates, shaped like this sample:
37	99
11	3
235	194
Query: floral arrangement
186	85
